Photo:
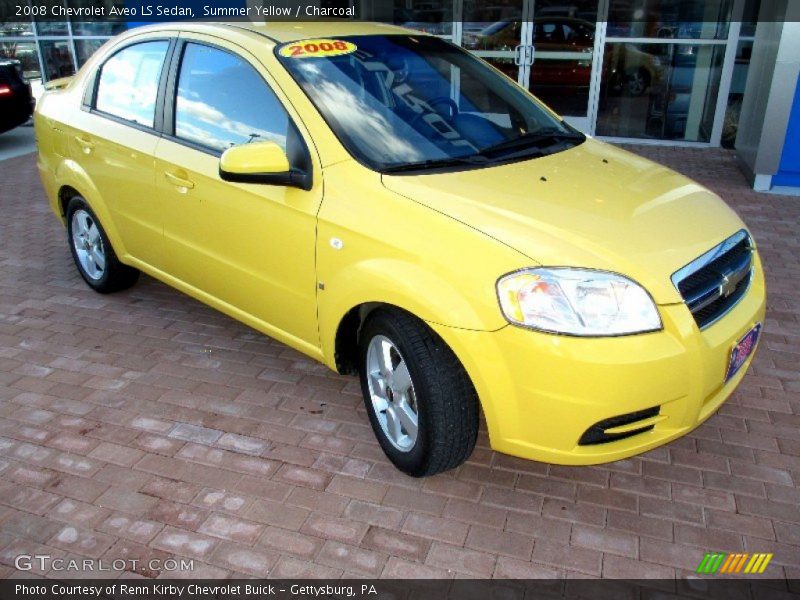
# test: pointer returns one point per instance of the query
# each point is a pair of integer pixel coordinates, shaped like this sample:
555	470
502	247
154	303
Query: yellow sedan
392	206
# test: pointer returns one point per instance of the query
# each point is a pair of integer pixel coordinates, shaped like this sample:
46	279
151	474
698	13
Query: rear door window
128	85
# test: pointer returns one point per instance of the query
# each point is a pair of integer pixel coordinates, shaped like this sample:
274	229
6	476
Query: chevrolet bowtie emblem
727	286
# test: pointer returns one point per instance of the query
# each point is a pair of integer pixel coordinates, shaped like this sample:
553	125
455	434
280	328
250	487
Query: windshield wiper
530	143
533	139
438	163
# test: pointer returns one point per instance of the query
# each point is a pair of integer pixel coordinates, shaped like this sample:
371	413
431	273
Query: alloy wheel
88	244
392	393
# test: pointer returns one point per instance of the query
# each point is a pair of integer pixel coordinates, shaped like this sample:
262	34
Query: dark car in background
16	99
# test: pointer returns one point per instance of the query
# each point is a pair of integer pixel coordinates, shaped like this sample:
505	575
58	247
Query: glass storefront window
57	59
431	16
493	25
14	29
25	52
85	48
97	28
659	91
52	28
674	20
650	87
500	35
49	27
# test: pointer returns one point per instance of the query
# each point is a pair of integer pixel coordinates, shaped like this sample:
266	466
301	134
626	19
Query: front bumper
540	392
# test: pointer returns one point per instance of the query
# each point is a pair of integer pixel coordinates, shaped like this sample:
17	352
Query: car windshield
406	103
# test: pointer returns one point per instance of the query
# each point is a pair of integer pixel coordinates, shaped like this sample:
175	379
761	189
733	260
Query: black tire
114	276
446	401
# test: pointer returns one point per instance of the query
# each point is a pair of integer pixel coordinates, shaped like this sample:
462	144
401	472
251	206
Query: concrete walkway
17	142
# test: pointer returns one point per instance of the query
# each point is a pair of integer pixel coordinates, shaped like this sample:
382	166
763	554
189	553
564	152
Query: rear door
248	248
114	140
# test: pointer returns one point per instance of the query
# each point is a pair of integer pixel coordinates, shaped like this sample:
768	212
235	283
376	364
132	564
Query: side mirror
260	162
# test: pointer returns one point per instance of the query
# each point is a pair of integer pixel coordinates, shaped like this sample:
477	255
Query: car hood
593	206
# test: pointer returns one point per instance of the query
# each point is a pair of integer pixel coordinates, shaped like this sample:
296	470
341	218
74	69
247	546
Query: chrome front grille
712	284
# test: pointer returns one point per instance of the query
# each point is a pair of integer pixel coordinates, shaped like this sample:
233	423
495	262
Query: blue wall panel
789	171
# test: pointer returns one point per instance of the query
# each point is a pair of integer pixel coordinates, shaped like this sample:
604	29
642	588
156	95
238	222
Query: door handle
179	182
86	145
523	55
518	55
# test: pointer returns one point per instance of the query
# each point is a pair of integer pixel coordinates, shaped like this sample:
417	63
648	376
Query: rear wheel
93	254
421	402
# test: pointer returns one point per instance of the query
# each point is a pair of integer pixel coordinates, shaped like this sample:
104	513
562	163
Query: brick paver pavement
144	424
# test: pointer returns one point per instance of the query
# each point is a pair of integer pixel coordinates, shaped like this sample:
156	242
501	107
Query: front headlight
577	302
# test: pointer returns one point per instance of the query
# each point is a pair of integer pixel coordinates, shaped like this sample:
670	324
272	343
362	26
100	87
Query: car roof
289	32
282	32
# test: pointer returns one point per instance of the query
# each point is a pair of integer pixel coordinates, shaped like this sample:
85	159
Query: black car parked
16	100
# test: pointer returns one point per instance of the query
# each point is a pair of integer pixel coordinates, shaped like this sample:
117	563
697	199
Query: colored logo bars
721	562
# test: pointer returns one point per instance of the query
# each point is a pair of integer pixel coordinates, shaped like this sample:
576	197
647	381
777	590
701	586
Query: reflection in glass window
660	91
563	35
85	48
434	16
98	27
14	29
25	53
57	59
45	26
500	35
479	14
223	101
129	82
674	20
59	28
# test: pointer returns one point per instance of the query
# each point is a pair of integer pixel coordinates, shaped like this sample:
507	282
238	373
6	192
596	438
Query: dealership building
690	72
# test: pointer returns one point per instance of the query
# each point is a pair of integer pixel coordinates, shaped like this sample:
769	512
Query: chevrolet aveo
392	206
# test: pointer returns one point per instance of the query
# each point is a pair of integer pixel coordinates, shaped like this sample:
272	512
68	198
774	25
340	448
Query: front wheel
420	400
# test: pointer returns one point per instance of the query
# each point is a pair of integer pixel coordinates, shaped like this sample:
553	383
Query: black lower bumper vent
596	434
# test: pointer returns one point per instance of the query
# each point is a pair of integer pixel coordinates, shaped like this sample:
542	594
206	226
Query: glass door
547	46
498	32
559	68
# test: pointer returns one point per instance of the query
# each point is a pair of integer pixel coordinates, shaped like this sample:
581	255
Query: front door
247	249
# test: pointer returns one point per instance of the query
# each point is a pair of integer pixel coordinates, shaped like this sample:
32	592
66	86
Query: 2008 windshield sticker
317	48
